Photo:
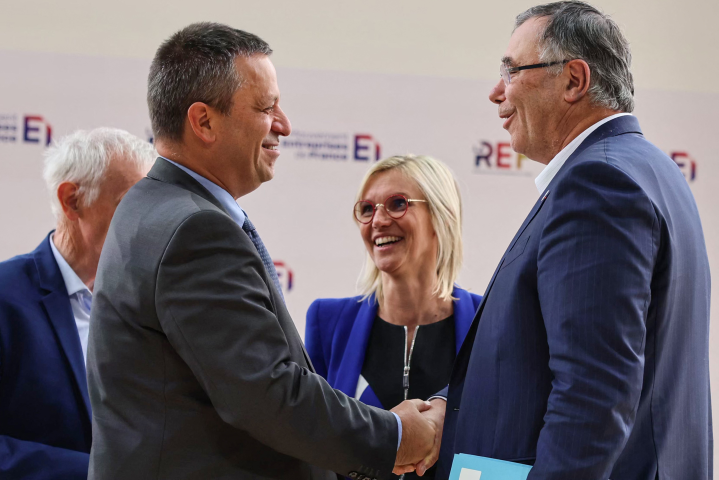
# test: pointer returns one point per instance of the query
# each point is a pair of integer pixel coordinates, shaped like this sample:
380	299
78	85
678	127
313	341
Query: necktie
85	300
264	254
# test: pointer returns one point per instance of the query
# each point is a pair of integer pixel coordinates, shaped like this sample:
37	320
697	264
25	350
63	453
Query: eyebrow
269	99
508	61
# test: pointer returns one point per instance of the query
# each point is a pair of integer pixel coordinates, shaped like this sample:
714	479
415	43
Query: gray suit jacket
195	368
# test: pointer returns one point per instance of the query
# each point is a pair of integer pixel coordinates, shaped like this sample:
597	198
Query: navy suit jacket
45	429
588	357
338	329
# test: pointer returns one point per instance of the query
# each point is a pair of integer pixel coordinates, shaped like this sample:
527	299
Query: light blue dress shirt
80	297
238	215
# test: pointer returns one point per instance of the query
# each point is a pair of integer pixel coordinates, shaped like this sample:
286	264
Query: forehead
389	182
523	44
259	78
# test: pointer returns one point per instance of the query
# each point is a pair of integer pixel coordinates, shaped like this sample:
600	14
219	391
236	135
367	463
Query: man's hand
418	434
436	416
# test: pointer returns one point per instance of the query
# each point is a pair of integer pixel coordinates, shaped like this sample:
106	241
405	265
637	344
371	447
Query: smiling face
531	104
249	136
404	246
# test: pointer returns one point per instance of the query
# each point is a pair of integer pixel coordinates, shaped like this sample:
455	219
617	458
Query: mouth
384	242
271	147
507	119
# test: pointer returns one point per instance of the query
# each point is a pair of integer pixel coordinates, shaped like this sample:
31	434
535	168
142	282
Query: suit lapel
352	360
463	355
59	313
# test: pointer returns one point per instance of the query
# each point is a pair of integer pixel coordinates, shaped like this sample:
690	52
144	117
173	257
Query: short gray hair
196	64
83	157
441	191
577	30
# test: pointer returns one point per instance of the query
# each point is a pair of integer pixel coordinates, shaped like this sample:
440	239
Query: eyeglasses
395	205
506	72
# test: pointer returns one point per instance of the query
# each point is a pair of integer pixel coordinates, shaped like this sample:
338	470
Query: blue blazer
338	329
45	428
589	356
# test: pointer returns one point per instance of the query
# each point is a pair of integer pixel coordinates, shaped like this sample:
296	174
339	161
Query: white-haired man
45	297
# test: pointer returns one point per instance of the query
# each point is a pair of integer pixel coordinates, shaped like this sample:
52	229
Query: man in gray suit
195	367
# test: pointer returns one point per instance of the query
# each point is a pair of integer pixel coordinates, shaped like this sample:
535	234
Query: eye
366	209
396	204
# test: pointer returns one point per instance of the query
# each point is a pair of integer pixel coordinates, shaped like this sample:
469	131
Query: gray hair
196	64
83	157
577	30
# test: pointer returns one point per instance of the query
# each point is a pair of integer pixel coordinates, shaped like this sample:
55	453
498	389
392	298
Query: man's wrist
399	430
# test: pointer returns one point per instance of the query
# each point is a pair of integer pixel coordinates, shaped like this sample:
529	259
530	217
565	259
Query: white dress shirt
80	297
543	179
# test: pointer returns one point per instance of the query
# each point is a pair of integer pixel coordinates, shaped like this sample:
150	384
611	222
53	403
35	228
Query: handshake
422	424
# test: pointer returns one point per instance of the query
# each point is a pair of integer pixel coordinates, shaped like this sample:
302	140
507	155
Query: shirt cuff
399	429
436	396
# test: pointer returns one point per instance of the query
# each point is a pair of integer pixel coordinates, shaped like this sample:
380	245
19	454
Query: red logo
686	164
284	274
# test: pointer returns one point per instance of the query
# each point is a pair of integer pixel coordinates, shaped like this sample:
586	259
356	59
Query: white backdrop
340	122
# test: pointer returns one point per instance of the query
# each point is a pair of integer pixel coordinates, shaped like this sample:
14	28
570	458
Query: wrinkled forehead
523	47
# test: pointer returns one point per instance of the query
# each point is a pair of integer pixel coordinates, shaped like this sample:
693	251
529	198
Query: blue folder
471	467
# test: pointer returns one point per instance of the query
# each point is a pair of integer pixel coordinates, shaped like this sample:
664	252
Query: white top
543	179
80	297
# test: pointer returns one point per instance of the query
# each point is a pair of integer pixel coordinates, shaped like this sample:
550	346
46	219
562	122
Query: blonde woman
398	339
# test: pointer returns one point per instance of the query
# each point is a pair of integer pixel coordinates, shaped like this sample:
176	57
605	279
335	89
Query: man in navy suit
588	357
45	297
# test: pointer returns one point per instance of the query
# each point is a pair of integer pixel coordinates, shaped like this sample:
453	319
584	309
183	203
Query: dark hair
577	30
196	64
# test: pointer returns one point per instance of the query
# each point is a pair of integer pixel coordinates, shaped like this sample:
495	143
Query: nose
496	95
281	123
381	218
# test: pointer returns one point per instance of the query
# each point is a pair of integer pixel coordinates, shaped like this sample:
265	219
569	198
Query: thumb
421	405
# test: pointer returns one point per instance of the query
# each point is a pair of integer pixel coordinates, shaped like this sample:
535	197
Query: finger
421	405
402	469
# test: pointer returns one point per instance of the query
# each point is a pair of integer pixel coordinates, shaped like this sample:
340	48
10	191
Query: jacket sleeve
217	312
23	459
313	339
596	257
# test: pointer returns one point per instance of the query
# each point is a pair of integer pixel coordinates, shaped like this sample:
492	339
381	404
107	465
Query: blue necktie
264	254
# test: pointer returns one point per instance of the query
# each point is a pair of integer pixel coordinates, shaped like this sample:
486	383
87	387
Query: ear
579	76
202	120
67	194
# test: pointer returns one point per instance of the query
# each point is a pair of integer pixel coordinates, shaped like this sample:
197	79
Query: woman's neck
411	301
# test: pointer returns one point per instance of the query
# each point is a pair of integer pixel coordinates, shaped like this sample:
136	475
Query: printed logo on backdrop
358	147
498	158
30	129
284	274
686	164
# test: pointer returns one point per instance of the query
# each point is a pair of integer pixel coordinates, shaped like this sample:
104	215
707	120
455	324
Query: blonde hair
440	189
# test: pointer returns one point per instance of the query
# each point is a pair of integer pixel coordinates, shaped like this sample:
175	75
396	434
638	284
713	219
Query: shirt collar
222	195
550	171
73	284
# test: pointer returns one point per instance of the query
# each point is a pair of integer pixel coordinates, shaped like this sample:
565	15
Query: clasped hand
422	424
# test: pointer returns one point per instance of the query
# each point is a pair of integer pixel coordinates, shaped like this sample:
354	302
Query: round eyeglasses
395	205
